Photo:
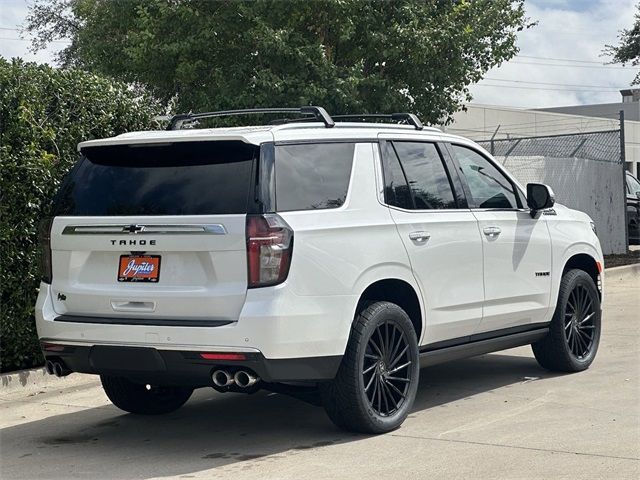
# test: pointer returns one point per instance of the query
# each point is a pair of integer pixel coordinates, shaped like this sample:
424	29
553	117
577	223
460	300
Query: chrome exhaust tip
245	379
222	378
49	367
59	370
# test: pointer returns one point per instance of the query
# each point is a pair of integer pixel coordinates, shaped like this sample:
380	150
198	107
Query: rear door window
182	178
312	176
429	187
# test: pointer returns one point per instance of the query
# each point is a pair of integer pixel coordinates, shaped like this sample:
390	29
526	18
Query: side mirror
539	197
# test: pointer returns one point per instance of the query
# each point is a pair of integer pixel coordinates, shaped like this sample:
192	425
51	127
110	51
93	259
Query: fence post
492	137
623	161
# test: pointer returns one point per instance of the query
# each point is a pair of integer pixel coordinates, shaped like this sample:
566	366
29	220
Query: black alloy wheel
387	369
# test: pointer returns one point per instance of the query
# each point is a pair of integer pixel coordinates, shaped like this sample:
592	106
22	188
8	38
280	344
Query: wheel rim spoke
402	395
399	357
587	318
368	369
400	367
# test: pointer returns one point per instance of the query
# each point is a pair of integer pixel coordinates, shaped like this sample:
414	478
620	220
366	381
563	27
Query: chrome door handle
419	236
492	231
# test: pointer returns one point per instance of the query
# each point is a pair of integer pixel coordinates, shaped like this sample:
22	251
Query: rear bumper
286	337
188	368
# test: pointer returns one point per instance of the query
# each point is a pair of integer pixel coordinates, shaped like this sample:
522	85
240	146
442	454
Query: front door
517	247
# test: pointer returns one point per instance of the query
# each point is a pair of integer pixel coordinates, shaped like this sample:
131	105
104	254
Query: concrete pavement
495	416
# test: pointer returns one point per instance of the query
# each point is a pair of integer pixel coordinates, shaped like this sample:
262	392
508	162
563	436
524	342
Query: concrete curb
623	273
37	379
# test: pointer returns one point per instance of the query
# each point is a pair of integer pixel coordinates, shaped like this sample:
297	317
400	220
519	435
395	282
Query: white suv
306	257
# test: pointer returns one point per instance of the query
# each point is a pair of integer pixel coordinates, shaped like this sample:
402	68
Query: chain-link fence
584	170
599	146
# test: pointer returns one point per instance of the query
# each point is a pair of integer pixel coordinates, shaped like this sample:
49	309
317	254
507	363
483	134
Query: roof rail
409	118
319	113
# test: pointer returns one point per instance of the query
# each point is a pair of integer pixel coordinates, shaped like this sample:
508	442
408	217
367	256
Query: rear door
440	235
154	232
517	248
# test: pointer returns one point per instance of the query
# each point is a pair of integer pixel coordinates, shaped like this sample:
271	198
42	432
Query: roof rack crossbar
319	113
409	118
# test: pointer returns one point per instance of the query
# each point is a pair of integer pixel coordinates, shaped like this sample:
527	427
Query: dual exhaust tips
56	368
242	378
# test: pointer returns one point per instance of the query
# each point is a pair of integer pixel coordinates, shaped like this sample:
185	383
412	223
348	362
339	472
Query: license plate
139	268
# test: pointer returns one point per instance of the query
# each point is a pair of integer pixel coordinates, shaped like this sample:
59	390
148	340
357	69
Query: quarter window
489	188
312	176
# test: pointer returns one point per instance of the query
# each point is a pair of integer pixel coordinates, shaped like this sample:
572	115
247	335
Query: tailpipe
60	370
222	378
245	379
49	367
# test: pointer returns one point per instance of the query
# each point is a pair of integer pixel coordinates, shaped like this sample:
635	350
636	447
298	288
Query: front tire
143	399
377	380
574	333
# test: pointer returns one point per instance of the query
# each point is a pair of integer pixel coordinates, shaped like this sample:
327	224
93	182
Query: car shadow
213	430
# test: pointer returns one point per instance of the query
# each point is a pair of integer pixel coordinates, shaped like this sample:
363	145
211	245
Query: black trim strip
477	337
157	322
324	140
481	347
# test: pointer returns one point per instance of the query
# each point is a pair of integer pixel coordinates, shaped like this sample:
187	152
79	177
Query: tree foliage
44	113
347	55
628	50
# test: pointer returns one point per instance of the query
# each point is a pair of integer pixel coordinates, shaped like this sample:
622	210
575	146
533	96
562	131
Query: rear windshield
182	178
312	176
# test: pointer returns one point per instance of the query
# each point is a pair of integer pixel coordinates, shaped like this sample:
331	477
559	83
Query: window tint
489	188
182	178
396	190
428	181
312	176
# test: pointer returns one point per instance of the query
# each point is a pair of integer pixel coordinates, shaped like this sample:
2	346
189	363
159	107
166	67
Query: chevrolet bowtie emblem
133	228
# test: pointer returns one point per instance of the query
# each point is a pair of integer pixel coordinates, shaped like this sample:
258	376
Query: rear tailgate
154	232
201	267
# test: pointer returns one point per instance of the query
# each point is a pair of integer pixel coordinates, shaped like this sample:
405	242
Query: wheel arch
587	263
400	292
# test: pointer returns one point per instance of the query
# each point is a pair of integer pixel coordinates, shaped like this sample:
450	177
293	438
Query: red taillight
269	248
223	356
45	250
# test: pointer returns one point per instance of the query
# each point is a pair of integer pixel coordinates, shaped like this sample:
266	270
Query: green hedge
44	113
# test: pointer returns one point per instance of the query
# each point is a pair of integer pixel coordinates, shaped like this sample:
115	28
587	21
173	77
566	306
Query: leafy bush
44	113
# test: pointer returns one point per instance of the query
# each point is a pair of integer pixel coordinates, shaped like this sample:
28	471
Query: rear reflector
52	347
223	356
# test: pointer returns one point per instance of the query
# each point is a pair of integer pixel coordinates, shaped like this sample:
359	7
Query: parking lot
495	416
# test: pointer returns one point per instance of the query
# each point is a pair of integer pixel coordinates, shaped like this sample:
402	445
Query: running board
480	347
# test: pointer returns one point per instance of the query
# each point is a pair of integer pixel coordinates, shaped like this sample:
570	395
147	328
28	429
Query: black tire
355	406
574	333
137	398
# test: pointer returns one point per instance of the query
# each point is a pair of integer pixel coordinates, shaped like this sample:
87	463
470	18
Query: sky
559	63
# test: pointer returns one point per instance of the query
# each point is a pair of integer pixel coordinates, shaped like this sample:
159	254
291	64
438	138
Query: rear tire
377	380
137	398
574	333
